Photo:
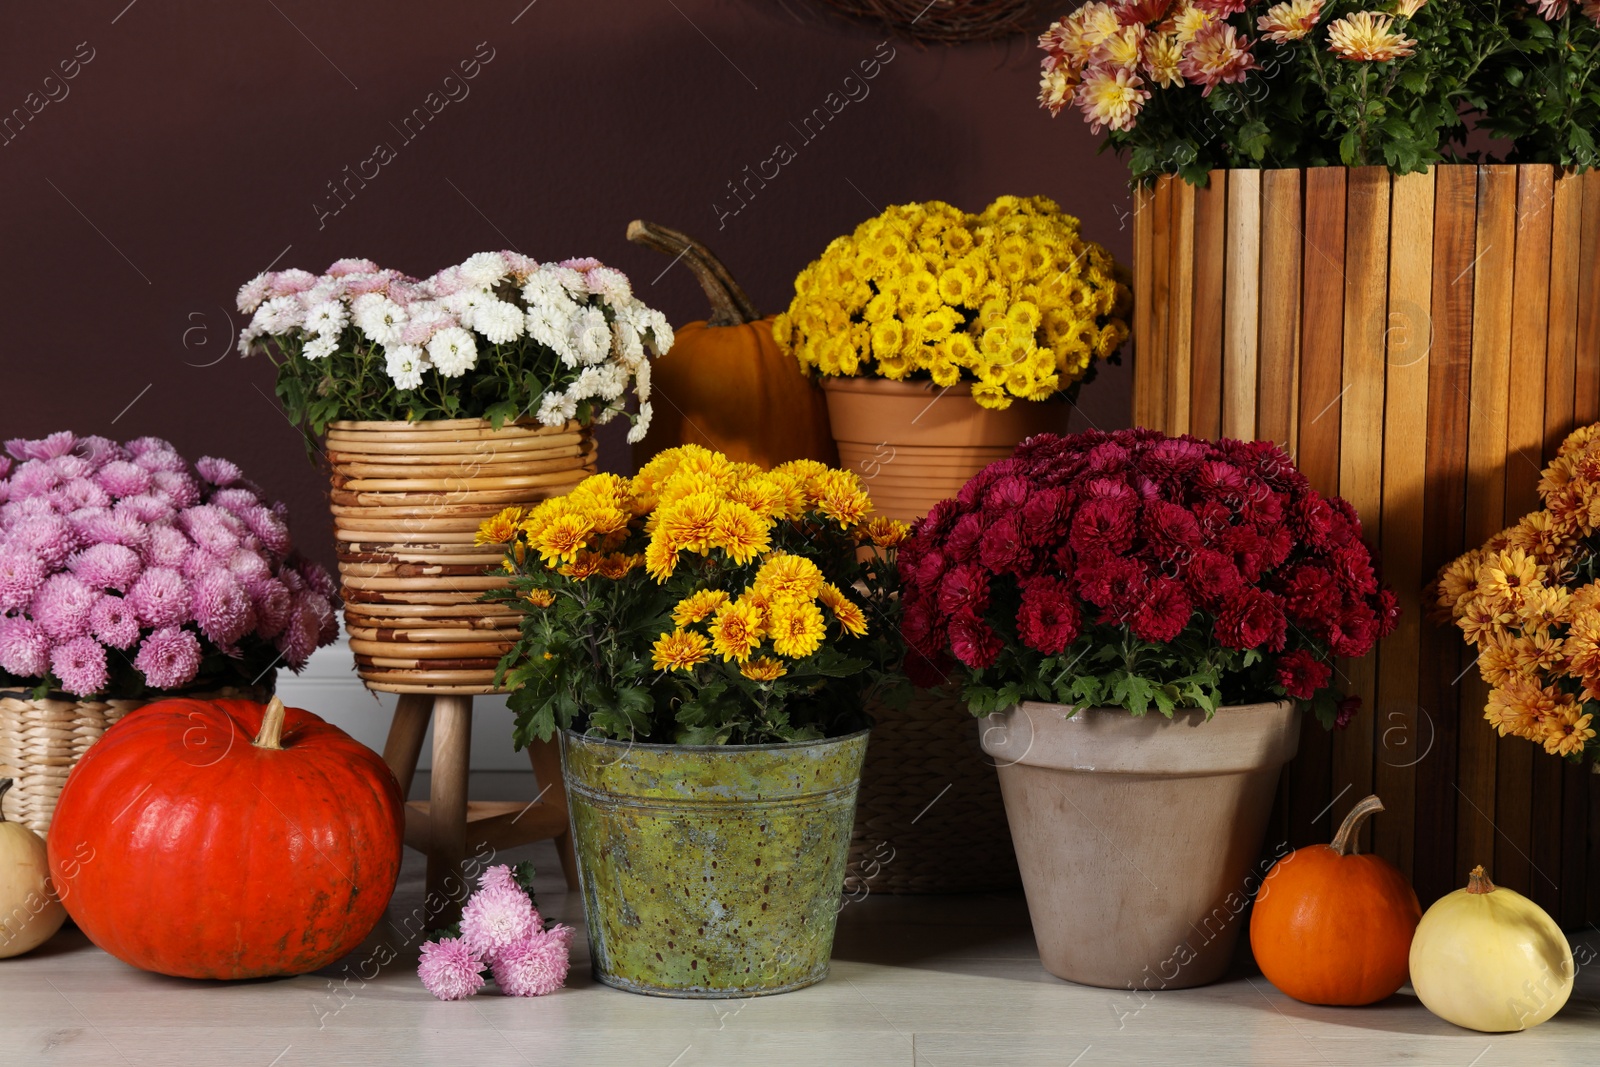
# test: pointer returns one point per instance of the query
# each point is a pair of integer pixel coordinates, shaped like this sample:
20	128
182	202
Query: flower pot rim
873	383
1256	705
1237	738
778	746
526	421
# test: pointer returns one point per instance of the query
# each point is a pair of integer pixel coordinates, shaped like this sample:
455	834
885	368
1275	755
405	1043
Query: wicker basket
407	500
40	742
929	818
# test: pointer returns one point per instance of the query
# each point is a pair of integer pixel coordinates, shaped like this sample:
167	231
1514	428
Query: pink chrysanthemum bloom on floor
536	965
449	969
496	918
500	876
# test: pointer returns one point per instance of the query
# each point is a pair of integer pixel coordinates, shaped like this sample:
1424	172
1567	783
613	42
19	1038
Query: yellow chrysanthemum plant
1011	302
1529	601
702	601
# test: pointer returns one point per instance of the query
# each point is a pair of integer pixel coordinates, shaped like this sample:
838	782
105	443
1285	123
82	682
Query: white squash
30	914
1490	959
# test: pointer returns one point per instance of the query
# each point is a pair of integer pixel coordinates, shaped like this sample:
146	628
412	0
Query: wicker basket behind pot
929	818
42	740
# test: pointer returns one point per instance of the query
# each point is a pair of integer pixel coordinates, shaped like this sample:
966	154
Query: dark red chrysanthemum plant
1132	569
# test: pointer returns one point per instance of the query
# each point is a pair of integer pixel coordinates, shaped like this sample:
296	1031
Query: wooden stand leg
546	760
447	808
406	732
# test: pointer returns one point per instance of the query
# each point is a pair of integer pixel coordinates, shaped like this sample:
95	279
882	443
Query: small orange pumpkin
1331	926
725	384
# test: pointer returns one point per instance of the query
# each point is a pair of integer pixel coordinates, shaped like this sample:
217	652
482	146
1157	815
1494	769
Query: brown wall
197	144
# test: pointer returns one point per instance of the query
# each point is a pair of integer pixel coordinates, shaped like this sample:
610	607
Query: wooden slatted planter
1421	345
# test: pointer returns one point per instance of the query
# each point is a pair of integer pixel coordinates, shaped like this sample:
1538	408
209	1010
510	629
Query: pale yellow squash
1490	959
30	914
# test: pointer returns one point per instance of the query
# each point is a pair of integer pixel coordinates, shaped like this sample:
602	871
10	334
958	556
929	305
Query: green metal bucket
711	870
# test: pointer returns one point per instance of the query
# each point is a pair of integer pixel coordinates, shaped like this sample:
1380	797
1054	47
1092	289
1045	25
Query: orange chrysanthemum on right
1529	600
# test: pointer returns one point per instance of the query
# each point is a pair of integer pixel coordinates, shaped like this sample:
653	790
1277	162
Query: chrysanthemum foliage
703	601
1186	86
1135	570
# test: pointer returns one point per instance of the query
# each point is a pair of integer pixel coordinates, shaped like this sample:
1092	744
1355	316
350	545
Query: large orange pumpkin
227	839
725	384
1332	926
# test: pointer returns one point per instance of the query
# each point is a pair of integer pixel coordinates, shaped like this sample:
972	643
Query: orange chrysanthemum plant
702	601
1529	600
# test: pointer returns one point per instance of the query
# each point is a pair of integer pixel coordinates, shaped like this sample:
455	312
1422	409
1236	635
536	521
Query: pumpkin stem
5	784
1478	881
730	306
271	734
1347	842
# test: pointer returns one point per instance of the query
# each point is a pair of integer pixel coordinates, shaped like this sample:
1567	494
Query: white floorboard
916	982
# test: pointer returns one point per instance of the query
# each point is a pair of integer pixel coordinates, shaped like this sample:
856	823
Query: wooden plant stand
448	827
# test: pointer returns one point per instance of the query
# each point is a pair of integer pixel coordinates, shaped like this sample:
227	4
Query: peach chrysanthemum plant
702	601
1529	600
1186	86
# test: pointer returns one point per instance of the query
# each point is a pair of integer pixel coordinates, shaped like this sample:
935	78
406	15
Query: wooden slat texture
1241	314
1405	450
1561	350
1180	342
1366	307
1434	863
1210	265
1530	315
1561	344
1279	355
1524	448
1585	411
1421	344
1144	359
1586	405
1486	481
1317	445
1160	296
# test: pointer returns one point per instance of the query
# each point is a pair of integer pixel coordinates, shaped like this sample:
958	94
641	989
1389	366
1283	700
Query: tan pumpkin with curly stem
725	384
30	914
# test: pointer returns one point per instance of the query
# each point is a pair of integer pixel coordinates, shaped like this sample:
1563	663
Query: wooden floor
921	982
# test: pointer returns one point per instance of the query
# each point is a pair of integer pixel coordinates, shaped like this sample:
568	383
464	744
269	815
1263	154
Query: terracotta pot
1138	837
915	444
407	500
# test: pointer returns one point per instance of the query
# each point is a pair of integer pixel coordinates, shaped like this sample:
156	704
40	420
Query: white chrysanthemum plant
499	337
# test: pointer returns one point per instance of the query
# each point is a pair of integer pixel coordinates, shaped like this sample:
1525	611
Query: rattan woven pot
929	815
407	500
